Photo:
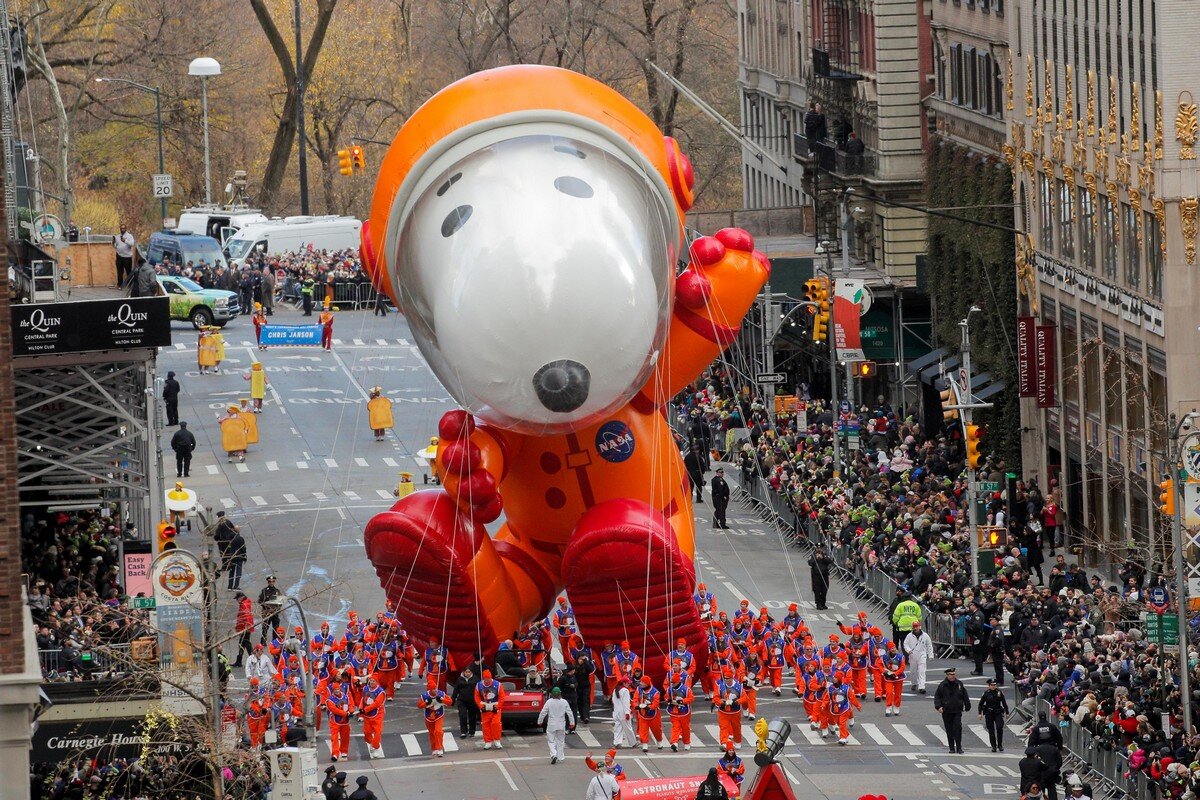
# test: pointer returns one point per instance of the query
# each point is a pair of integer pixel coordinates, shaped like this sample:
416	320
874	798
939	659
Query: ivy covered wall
972	265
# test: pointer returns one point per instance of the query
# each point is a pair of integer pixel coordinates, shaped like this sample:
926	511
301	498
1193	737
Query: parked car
181	248
192	302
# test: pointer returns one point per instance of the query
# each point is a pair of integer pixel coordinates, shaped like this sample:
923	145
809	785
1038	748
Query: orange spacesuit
599	505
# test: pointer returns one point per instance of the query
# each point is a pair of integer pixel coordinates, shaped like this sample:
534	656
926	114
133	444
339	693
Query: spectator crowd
1060	635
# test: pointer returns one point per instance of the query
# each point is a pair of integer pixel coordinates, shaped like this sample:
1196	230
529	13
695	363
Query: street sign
1157	599
1161	628
163	186
141	602
1191	504
988	486
772	377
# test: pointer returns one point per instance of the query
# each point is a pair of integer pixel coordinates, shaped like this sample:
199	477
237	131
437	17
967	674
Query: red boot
422	551
629	580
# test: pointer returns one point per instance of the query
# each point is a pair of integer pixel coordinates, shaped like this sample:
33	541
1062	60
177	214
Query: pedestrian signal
166	537
974	435
949	398
1166	497
865	369
345	161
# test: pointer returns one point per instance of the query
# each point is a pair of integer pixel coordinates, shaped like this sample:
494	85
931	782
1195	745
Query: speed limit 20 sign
163	186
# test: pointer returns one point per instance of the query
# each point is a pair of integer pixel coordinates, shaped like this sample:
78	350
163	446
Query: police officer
993	708
720	499
170	396
463	699
331	788
950	700
362	792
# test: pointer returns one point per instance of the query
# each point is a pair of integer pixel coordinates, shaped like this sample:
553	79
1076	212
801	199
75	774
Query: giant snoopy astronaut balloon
528	222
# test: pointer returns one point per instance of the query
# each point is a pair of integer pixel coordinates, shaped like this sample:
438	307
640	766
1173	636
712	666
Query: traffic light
356	157
345	161
820	326
812	288
821	320
949	397
865	369
166	537
1166	498
974	435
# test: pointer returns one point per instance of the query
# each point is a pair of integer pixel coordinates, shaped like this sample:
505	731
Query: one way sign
772	377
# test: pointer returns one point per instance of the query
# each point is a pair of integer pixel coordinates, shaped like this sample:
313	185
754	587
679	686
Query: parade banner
179	601
1044	375
847	312
1025	367
88	325
277	335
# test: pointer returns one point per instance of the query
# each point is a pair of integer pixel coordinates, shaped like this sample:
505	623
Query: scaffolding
87	434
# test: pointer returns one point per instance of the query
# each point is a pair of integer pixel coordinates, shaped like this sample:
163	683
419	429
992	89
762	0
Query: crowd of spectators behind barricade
257	281
152	777
1060	635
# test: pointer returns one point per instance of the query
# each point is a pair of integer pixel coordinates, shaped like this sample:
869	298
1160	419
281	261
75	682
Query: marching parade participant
387	667
433	702
678	691
918	651
893	679
489	696
859	654
625	663
371	712
840	708
379	413
563	620
622	715
649	701
249	420
815	683
681	656
877	648
792	621
753	672
233	435
258	387
731	763
772	654
728	700
744	613
325	320
362	668
705	603
558	718
257	714
340	708
609	765
608	667
259	319
436	661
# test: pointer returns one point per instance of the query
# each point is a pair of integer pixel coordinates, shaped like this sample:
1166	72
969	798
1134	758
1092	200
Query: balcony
827	157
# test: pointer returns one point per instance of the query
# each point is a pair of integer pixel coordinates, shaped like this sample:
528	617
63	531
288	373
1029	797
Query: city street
317	476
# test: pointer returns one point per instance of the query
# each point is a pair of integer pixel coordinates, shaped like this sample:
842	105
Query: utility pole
837	450
768	348
300	138
309	702
1174	458
967	420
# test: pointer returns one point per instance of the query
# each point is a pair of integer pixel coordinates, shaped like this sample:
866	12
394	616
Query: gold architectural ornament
1158	126
1125	143
1091	103
1048	171
1026	279
1160	214
1100	162
1188	208
1135	201
1037	140
1135	118
1146	178
1058	146
1114	198
1027	161
1048	94
1009	153
1018	135
1112	109
1186	126
1029	85
1069	179
1124	167
1079	149
1008	83
1048	167
1089	182
1069	100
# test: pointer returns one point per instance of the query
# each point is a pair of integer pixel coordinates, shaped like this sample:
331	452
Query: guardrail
106	660
1108	767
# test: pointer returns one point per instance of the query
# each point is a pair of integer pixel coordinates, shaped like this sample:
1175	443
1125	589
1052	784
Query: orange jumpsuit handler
840	707
679	707
877	648
434	701
489	696
436	661
728	699
340	709
371	712
892	666
648	700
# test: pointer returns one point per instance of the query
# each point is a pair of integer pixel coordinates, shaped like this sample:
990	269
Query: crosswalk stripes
291	498
228	502
713	730
301	465
808	733
938	732
258	501
213	469
448	743
359	343
384	493
907	735
350	495
329	462
411	744
319	495
381	341
242	467
391	462
362	462
587	737
981	732
872	730
272	466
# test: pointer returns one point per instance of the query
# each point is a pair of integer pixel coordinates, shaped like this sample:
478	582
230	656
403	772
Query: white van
219	223
277	236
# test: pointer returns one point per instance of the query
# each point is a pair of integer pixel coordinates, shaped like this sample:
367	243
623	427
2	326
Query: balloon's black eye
576	187
455	220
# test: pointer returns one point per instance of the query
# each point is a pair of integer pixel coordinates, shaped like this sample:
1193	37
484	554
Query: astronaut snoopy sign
528	221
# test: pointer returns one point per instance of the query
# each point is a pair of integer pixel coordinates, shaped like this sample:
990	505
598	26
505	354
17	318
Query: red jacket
245	615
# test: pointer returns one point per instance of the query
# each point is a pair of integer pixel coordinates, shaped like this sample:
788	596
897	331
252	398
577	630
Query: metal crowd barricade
103	659
1099	764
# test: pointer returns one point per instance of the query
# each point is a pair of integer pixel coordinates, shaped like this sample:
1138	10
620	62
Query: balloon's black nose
562	386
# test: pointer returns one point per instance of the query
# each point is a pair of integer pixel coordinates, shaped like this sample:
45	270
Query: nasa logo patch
614	441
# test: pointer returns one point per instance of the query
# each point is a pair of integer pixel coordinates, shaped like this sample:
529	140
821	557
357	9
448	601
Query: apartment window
997	89
1066	226
1112	378
1047	215
939	60
955	72
1108	236
1070	359
1090	345
972	79
1135	389
1133	256
1154	265
1087	230
1157	361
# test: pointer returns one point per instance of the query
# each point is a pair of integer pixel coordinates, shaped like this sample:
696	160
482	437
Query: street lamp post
310	731
154	90
300	138
205	68
827	249
1174	457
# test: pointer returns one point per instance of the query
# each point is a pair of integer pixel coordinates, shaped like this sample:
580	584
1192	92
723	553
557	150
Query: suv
184	248
200	306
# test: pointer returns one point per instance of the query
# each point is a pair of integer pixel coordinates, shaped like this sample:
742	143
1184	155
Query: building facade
1101	138
970	52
